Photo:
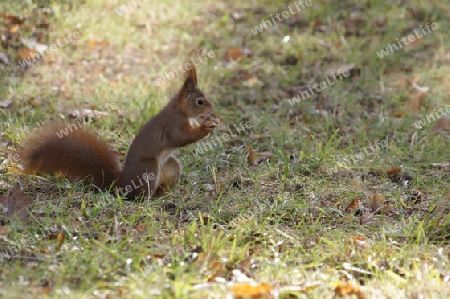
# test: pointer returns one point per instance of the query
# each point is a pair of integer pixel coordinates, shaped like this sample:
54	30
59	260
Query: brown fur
83	154
78	155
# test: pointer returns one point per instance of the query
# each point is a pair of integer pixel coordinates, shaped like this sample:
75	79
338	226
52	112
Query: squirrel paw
210	123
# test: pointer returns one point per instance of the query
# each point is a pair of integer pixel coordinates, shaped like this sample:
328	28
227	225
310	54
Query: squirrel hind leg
170	174
139	179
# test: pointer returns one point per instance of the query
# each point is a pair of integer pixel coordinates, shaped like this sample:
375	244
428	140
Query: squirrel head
192	101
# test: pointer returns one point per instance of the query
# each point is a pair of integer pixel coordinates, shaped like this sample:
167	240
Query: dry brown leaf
442	124
376	202
233	54
218	269
348	289
4	230
391	172
46	289
121	290
14	28
15	169
26	53
60	240
98	44
353	206
141	228
358	240
251	156
398	114
16	203
417	99
12	19
245	290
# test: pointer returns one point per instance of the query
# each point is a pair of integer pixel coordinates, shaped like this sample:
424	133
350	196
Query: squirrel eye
199	102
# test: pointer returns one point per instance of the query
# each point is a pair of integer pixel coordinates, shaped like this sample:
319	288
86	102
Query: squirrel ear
191	74
189	85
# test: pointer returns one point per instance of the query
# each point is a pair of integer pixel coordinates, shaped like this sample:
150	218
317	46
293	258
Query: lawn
328	176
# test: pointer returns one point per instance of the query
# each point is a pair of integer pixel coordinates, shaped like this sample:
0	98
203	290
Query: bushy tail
79	154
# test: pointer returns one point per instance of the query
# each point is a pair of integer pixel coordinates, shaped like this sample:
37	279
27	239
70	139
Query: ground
329	175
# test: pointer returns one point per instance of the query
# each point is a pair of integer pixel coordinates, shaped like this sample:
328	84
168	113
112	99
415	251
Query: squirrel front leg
193	134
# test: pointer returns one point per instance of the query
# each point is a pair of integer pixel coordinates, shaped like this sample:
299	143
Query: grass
270	204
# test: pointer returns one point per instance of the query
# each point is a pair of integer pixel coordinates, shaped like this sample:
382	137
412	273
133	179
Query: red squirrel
150	168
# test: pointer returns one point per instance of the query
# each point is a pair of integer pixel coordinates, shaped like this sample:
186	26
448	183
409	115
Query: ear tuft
191	73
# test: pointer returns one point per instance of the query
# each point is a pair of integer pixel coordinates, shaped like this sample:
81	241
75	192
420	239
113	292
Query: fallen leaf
394	174
26	53
418	98
97	43
442	124
376	202
416	101
234	54
15	169
391	172
12	19
398	114
141	228
4	230
16	203
348	289
60	240
46	288
14	28
251	156
245	290
354	205
358	240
